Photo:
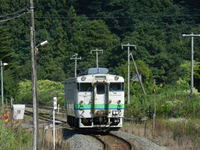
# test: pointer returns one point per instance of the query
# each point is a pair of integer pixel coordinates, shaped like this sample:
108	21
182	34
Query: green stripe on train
102	106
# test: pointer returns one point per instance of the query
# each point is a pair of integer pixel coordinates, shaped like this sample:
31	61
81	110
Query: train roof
96	75
96	71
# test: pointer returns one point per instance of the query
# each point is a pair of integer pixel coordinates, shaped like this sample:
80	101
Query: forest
78	26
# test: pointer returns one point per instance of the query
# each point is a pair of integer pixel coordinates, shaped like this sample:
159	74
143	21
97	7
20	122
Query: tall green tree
8	55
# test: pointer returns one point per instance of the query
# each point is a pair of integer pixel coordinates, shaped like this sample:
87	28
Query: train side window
116	86
84	87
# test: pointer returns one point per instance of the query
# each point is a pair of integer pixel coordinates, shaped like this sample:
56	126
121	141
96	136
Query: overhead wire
116	17
11	18
14	13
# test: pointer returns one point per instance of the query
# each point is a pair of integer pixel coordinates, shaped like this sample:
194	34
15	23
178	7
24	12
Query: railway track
113	142
109	141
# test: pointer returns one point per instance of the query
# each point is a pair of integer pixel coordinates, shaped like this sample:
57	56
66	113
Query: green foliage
144	70
8	55
78	26
14	138
46	91
166	102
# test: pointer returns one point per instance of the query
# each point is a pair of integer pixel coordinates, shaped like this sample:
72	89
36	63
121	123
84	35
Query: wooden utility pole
34	80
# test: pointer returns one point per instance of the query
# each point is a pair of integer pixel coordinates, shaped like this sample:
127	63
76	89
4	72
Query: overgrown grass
175	134
167	102
14	138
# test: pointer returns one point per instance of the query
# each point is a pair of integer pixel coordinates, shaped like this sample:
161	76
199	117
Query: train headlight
81	106
116	78
83	78
119	105
119	101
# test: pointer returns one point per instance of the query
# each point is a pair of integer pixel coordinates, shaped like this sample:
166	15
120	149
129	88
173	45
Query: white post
11	101
54	128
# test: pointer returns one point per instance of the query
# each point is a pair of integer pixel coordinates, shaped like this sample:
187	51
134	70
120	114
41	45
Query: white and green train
95	100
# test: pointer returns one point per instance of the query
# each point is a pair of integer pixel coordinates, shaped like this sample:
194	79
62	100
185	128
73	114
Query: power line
14	13
116	17
14	17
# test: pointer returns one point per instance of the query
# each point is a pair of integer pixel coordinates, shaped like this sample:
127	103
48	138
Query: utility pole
2	100
128	45
192	59
34	80
2	89
97	56
75	58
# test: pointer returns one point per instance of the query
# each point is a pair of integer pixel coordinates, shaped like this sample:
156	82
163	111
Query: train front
100	102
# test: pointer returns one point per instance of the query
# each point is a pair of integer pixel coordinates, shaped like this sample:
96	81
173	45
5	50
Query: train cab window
84	87
100	89
116	86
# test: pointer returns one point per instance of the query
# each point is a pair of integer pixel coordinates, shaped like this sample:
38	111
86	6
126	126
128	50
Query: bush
12	139
167	102
46	90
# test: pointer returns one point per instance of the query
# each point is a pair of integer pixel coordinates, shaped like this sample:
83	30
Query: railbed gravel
143	143
79	141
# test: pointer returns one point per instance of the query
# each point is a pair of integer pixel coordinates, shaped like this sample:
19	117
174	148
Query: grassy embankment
177	121
14	138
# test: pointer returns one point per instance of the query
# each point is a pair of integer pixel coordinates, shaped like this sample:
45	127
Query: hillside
79	26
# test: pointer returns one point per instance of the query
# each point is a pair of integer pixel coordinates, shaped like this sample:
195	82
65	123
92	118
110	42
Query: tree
8	55
144	70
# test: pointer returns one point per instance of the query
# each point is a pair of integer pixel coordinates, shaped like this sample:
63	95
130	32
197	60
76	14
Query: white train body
95	100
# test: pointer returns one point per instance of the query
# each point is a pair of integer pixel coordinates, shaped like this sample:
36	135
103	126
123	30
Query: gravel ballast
78	141
141	142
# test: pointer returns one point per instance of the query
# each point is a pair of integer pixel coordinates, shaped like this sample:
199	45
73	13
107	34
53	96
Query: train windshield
84	87
116	86
100	88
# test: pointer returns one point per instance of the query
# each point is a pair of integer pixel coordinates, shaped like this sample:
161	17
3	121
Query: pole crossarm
191	35
97	51
128	45
192	59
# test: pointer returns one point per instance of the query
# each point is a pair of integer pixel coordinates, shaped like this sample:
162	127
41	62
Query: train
95	100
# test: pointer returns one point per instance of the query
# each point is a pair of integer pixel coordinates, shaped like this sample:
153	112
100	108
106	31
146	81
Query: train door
100	100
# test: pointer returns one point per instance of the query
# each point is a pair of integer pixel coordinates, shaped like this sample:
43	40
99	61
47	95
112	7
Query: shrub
14	138
46	90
